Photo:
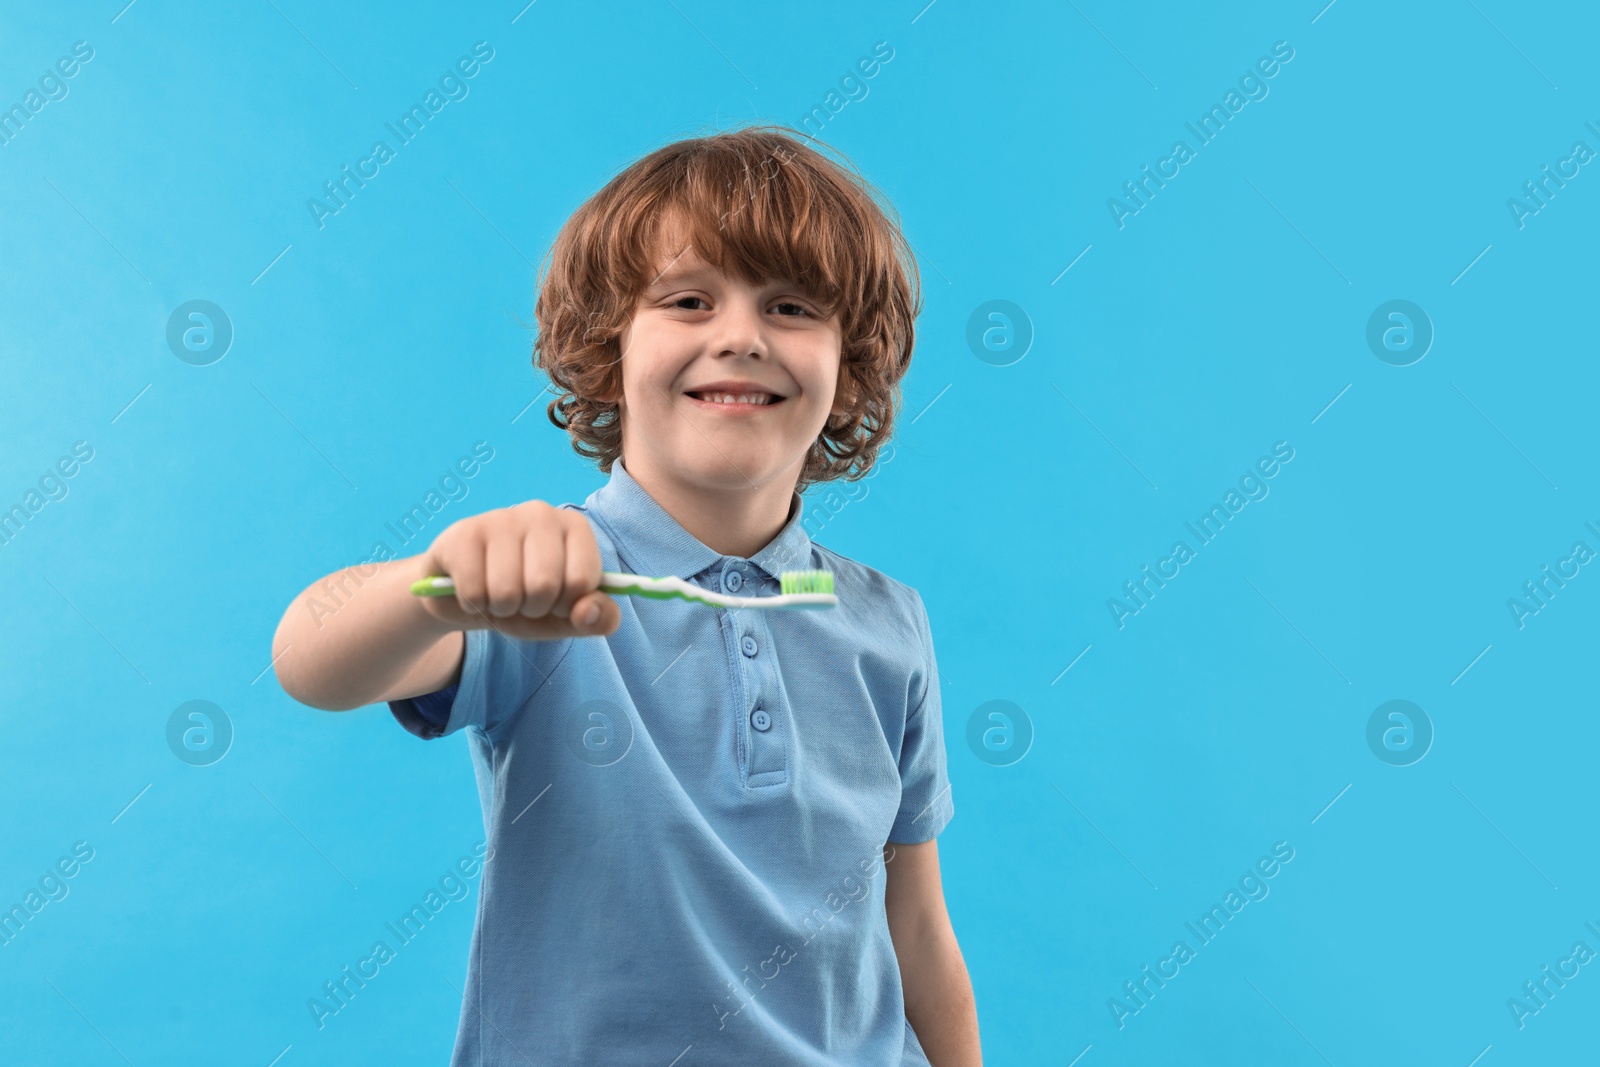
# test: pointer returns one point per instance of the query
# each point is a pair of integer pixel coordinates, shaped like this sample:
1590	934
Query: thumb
596	613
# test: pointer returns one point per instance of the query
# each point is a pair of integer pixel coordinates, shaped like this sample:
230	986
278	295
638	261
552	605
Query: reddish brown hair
757	203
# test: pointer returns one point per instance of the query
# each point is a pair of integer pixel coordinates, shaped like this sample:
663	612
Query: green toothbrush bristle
806	581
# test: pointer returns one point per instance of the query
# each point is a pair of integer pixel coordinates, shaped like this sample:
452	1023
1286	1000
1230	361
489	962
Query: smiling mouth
717	398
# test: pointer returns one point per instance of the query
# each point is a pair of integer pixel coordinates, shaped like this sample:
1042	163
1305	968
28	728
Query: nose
741	331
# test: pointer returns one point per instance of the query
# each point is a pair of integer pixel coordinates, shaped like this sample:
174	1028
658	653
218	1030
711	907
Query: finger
596	614
610	616
582	565
554	628
464	563
542	553
503	576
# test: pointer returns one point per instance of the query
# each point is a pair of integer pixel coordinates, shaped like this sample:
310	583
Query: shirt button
760	720
748	646
732	580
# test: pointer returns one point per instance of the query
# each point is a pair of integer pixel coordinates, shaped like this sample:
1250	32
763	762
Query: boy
712	831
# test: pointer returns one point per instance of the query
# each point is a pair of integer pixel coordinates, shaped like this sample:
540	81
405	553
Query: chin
731	469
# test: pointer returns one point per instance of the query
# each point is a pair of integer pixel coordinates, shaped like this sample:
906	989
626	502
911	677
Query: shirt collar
656	546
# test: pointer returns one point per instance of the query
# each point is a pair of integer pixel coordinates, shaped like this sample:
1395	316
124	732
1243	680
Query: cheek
649	393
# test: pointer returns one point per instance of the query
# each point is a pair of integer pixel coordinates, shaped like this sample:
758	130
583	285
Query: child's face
697	333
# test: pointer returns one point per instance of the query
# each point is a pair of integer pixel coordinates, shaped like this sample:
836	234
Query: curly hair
757	203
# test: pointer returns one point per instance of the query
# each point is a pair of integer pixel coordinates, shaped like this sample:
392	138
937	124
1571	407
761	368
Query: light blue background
1224	317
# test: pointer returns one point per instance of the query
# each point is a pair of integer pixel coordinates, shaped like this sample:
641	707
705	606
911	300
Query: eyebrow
681	275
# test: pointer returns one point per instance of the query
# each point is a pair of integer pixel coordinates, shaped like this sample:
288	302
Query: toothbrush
800	589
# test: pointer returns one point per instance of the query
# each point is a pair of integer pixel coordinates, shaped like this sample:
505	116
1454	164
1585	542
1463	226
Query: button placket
763	747
766	745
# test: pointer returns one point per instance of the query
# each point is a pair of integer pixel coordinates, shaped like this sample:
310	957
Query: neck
732	522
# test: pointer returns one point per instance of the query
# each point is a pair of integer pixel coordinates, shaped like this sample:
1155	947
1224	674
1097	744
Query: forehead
676	258
689	246
686	240
676	247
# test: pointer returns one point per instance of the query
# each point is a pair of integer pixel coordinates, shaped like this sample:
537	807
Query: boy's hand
531	571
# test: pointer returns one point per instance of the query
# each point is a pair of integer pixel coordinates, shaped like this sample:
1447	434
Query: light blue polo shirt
688	817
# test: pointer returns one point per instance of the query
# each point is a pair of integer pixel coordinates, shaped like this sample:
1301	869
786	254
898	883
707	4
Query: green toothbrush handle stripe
801	589
434	585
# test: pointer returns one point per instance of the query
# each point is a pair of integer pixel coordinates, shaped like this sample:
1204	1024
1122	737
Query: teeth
737	398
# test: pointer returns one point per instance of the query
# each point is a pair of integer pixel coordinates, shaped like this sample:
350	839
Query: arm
359	636
938	993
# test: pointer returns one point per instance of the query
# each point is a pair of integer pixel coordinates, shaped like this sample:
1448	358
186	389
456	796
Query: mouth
734	398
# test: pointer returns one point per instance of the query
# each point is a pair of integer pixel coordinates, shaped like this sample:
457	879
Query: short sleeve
499	675
428	714
925	803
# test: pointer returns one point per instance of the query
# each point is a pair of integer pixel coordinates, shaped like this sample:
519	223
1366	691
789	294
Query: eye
685	299
801	308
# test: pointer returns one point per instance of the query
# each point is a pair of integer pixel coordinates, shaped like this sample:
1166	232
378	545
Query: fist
531	571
